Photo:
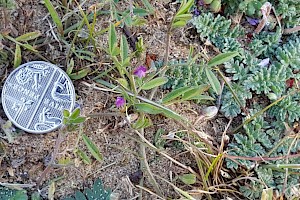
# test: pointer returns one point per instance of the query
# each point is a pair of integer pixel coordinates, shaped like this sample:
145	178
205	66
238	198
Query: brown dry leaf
10	171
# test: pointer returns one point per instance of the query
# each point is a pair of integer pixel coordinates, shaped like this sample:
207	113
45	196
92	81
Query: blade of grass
232	91
55	16
18	56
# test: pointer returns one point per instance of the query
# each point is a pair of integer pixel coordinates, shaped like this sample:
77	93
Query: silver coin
34	96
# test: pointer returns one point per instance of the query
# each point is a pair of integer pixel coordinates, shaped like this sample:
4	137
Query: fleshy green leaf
185	6
213	80
188	179
29	47
112	40
148	6
18	56
175	93
70	66
179	24
123	82
83	156
148	108
66	113
195	91
78	120
75	113
92	148
80	74
28	36
54	16
154	83
221	58
123	48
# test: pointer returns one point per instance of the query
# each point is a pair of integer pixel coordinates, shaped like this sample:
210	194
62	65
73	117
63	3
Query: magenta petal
120	102
140	71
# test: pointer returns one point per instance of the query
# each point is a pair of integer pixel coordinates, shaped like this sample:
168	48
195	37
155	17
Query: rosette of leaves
286	110
265	43
242	66
231	108
289	11
262	138
97	192
269	79
288	54
217	30
10	194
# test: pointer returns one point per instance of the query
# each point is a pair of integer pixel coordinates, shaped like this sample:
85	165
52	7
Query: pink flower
140	71
120	102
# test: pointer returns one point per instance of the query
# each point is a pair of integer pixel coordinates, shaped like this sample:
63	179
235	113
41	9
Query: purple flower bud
140	71
252	21
120	102
265	62
196	12
200	3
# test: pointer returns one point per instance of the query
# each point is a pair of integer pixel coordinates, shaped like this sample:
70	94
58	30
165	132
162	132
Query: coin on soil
34	96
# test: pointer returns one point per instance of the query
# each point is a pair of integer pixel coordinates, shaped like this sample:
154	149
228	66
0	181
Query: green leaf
66	113
221	58
124	48
75	113
54	16
18	56
184	17
154	83
151	109
148	108
148	6
171	114
92	148
140	12
188	179
185	7
83	156
78	120
29	47
80	74
179	24
175	93
70	66
28	36
202	97
213	80
123	82
79	195
142	122
195	91
112	40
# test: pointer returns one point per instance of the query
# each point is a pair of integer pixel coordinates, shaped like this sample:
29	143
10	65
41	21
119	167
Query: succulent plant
10	194
97	192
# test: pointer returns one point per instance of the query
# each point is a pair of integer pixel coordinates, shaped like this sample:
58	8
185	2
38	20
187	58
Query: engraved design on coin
35	94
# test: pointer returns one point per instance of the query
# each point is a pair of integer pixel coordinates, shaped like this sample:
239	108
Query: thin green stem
264	110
